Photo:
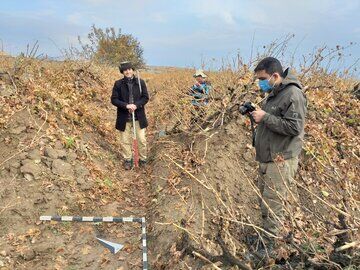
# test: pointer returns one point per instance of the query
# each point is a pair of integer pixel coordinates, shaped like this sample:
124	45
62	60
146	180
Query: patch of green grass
107	182
351	122
70	142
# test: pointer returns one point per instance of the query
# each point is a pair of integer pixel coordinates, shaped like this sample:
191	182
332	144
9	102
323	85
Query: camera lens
243	110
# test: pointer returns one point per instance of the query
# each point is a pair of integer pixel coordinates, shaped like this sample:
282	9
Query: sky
185	33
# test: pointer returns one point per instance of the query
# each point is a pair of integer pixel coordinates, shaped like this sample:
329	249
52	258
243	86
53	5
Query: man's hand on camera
258	115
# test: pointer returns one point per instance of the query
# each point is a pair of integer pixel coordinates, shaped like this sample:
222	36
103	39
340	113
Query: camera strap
252	121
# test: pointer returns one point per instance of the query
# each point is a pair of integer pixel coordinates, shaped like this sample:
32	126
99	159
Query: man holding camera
278	141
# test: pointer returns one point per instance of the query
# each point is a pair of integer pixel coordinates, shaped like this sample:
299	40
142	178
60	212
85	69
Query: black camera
246	108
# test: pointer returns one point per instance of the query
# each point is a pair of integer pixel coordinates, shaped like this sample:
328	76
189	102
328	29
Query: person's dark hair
270	65
125	65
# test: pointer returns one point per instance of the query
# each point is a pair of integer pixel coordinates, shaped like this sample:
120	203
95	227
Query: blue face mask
265	85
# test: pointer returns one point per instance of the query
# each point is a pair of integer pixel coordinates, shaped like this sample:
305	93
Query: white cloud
227	17
306	14
99	2
158	17
212	9
182	28
75	18
115	4
288	14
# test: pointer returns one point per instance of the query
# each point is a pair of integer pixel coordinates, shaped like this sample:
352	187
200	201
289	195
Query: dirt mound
54	161
216	170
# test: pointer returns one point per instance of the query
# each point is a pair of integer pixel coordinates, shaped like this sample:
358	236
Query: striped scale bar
108	219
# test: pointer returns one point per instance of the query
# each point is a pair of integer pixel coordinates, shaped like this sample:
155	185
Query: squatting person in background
279	140
128	98
200	93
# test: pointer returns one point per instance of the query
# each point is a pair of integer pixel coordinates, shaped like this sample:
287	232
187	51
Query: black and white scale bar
91	219
144	245
108	219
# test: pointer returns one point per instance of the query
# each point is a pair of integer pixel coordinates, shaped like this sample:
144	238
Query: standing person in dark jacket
128	98
279	139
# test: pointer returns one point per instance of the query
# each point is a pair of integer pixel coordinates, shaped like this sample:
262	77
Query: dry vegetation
322	227
198	191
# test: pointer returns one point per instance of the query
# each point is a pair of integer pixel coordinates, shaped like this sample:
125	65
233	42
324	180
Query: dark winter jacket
120	98
281	131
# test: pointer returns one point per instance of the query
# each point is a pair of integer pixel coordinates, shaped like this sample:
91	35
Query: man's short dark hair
270	65
125	65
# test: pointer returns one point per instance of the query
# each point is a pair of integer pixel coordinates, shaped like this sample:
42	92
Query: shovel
135	143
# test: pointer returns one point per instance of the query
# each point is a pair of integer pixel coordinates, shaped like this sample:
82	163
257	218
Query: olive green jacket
281	131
